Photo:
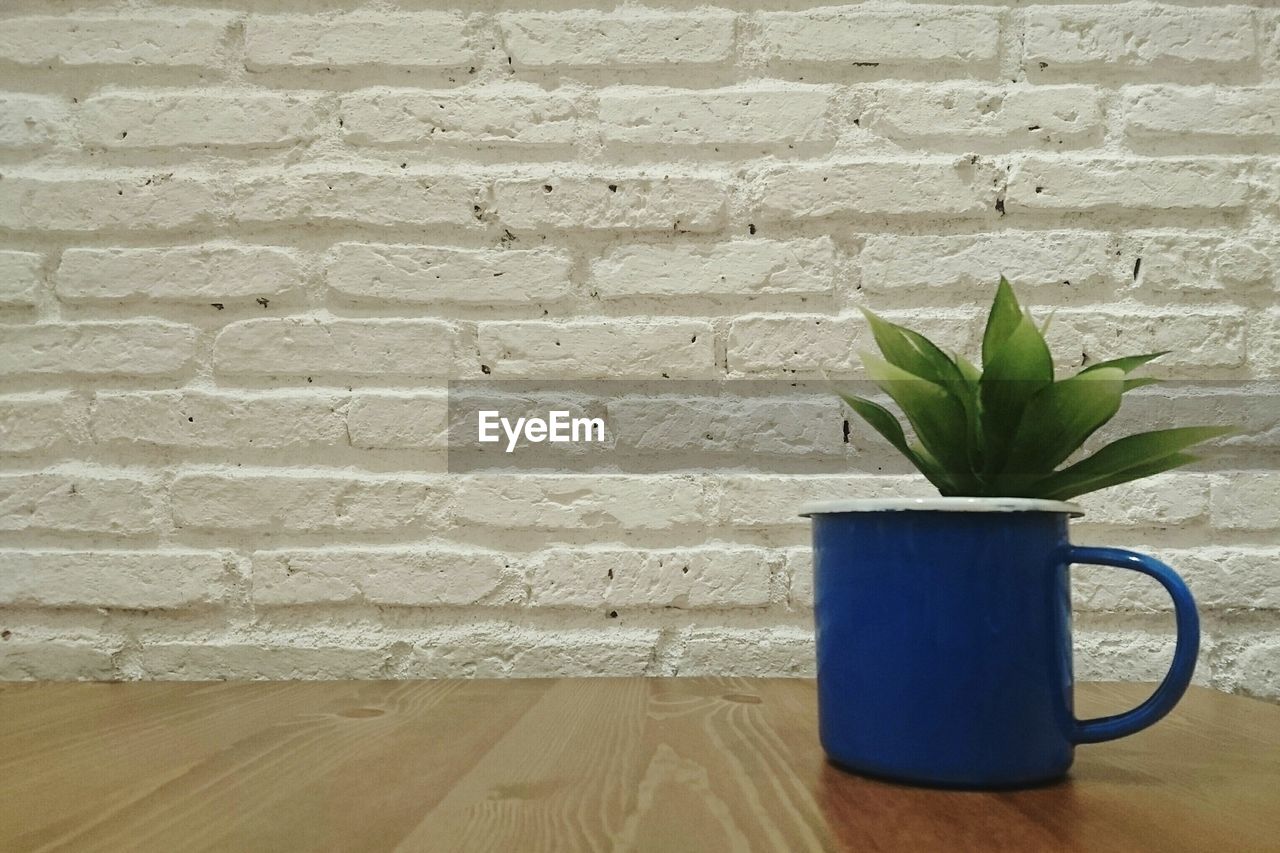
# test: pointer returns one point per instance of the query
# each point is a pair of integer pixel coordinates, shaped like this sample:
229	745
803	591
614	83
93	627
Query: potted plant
944	624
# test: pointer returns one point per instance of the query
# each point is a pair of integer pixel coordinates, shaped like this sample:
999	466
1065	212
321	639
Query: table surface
689	764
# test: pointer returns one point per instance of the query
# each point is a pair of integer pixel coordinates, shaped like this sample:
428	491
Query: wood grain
597	764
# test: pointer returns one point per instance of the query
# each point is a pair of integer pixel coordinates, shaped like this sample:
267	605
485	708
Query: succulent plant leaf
1072	489
1123	454
1019	367
1004	318
1128	363
912	351
1059	418
884	422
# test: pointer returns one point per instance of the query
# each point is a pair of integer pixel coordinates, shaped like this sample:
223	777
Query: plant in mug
1002	431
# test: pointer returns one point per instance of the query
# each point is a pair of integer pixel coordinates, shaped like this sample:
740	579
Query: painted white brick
799	568
1138	35
300	346
737	268
1246	500
53	660
37	422
881	35
403	197
190	39
579	502
951	187
21	278
502	651
605	349
1192	262
132	580
394	421
626	202
272	501
960	114
902	264
197	119
202	273
1198	338
626	39
33	121
781	652
1255	669
261	660
1220	578
197	419
499	115
356	39
1041	183
1207	112
412	577
799	427
89	500
774	500
686	579
1167	499
776	116
433	274
1125	655
125	348
94	201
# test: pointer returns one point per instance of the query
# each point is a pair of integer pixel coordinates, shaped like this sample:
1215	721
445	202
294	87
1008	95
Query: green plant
1002	431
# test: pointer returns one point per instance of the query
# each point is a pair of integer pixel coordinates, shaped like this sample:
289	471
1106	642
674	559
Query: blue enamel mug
944	640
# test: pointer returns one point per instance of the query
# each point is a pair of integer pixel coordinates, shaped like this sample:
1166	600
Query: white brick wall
243	250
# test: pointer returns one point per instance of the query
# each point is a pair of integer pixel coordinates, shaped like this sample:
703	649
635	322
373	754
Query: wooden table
581	764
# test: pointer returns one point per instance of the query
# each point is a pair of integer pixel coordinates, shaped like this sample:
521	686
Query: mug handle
1185	650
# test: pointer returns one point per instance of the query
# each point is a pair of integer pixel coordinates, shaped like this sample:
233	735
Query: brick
262	659
799	569
1245	500
410	577
124	348
902	265
400	197
93	201
1165	499
198	419
197	120
1254	669
654	427
667	203
300	346
503	651
1219	578
781	652
33	121
127	580
272	501
1125	184
79	500
399	421
579	502
1123	655
606	349
1138	35
816	345
1203	112
890	35
432	274
53	660
202	273
737	268
1198	338
1192	262
187	40
39	422
955	187
21	278
960	114
773	500
686	579
774	116
630	39
357	39
498	115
